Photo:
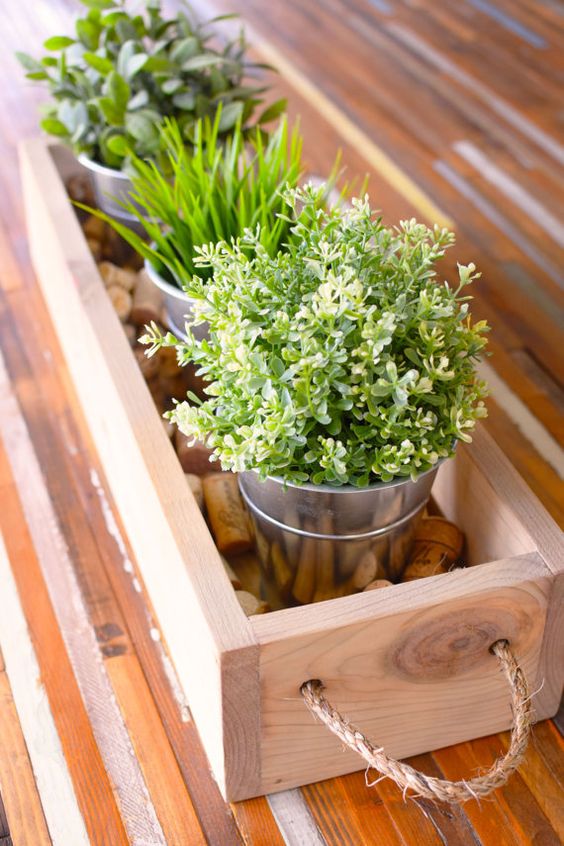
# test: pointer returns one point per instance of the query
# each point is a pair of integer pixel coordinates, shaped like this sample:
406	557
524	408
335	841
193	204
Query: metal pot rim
91	164
165	286
349	489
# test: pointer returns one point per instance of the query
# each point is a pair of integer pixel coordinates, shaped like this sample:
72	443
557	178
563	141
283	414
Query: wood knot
455	643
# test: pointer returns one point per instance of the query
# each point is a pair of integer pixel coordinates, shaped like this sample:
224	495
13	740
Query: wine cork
94	227
247	569
377	584
263	549
250	604
438	531
195	485
438	544
121	301
196	458
95	248
168	428
147	364
194	383
291	540
130	333
79	188
304	583
283	574
114	275
227	514
325	559
231	574
115	249
367	571
147	301
171	374
349	554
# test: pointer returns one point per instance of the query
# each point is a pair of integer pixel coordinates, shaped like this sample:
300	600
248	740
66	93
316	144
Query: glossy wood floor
455	108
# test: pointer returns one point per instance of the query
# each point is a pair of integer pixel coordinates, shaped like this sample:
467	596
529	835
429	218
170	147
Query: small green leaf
28	62
88	33
138	101
118	90
204	60
118	145
272	112
99	63
184	49
171	85
185	100
54	127
230	115
135	64
99	4
58	42
111	113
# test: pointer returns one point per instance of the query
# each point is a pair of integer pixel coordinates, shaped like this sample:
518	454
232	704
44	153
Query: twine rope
406	777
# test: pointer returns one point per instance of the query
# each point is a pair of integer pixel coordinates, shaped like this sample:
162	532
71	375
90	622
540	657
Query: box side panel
484	495
193	600
551	672
412	680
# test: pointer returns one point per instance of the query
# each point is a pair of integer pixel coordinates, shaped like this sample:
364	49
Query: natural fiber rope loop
426	786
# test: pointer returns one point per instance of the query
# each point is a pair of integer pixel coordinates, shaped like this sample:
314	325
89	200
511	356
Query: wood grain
24	813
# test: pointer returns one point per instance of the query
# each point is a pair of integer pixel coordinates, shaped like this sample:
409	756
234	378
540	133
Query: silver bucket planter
177	305
110	187
318	542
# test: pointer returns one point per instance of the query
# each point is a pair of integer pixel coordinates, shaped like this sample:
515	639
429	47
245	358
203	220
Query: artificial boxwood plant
122	73
342	360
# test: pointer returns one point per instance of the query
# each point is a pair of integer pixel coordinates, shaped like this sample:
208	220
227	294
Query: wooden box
409	665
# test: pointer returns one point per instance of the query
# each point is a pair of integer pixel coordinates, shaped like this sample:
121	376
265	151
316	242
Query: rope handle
406	777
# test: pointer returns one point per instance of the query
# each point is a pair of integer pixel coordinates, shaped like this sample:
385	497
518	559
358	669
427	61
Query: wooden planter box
409	665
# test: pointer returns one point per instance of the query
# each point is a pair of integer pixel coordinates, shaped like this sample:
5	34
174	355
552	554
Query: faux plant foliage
340	361
212	192
114	82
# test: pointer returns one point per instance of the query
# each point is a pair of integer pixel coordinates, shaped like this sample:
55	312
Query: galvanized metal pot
111	186
317	542
176	305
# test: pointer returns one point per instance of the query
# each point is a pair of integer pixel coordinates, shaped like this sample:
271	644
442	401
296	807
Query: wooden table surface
455	108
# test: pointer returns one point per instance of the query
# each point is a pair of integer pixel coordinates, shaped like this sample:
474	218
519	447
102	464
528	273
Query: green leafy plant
114	82
342	360
212	193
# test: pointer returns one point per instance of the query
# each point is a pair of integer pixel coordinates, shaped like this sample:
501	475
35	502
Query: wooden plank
51	775
294	820
367	660
544	780
93	789
164	781
63	455
139	460
255	822
24	812
80	641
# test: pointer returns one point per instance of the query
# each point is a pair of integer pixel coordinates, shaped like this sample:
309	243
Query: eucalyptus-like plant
114	82
342	360
211	192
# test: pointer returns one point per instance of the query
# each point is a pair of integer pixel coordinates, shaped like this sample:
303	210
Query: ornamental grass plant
342	360
114	82
211	192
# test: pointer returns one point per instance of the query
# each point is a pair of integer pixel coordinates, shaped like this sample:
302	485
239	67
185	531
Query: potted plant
114	82
341	373
214	192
